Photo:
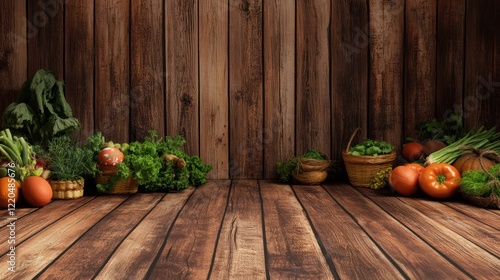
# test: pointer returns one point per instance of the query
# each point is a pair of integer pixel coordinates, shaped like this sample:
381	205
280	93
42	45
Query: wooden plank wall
251	82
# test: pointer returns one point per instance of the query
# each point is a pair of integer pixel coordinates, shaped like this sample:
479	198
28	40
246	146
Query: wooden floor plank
408	251
349	248
240	250
189	248
97	244
39	251
18	214
485	216
135	255
292	249
461	224
37	220
464	253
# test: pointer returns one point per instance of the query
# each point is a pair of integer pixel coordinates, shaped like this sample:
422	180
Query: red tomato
413	151
440	180
110	156
404	180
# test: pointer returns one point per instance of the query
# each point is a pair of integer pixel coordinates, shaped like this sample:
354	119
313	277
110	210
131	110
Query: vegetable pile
481	138
481	183
147	163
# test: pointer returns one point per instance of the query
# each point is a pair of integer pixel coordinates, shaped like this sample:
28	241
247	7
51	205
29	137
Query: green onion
480	139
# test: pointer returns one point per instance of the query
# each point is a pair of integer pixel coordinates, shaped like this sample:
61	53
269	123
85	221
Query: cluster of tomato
437	180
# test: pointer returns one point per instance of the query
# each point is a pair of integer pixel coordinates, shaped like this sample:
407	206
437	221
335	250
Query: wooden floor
249	229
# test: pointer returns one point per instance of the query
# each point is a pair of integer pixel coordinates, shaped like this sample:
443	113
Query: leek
479	139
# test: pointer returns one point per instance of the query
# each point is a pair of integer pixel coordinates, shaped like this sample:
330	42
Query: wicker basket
123	186
309	164
314	177
362	169
486	202
67	189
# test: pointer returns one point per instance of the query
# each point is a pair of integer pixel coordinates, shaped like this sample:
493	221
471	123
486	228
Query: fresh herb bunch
448	130
94	144
478	183
292	165
66	160
371	148
144	161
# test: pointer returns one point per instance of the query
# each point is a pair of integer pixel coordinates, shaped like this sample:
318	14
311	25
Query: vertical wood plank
385	116
279	83
112	78
214	103
182	106
350	41
79	63
245	88
450	36
240	249
420	64
45	35
13	54
312	81
188	250
147	97
482	84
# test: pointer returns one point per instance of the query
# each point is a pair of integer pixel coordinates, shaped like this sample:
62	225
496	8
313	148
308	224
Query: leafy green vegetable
144	161
448	131
371	148
478	183
313	154
41	112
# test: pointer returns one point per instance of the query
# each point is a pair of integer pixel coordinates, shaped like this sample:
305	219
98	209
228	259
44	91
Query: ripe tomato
110	156
413	151
440	180
415	166
404	180
36	191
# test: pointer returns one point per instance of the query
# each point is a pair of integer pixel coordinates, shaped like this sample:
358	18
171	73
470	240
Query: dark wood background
251	82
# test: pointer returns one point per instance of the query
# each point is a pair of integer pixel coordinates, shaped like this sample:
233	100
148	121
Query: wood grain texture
350	39
147	92
45	37
482	84
292	250
487	216
79	63
450	51
133	257
190	245
464	253
279	83
313	128
245	89
112	69
385	97
13	53
350	250
420	64
98	243
35	222
53	240
408	251
182	82
240	248
214	102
